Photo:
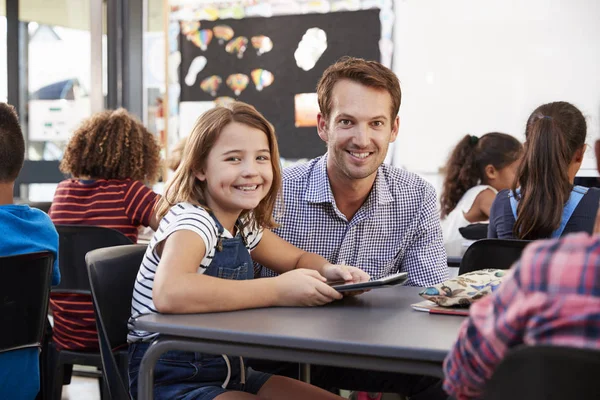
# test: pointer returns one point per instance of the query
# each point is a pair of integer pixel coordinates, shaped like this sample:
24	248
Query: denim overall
188	375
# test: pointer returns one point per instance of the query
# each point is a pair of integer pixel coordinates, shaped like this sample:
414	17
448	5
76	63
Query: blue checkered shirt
396	229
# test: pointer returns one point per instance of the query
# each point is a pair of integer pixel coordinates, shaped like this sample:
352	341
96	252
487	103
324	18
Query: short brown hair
185	187
369	73
112	145
12	144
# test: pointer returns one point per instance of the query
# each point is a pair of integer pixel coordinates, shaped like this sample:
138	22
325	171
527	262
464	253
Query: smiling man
351	208
347	205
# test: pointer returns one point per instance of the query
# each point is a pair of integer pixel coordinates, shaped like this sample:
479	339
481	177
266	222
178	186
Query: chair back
24	292
112	272
74	242
546	372
491	253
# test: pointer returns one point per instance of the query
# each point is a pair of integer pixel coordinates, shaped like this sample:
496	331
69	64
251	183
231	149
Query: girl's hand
344	273
304	287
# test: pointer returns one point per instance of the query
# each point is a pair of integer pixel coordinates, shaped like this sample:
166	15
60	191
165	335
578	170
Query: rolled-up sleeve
425	258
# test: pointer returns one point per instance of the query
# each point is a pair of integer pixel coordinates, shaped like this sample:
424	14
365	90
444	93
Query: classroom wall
473	66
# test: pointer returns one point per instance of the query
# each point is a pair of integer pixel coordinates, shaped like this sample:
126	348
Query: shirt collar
319	190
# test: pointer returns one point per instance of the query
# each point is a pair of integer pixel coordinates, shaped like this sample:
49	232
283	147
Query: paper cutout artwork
311	48
211	84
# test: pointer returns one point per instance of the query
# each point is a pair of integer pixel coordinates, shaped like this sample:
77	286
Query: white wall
474	66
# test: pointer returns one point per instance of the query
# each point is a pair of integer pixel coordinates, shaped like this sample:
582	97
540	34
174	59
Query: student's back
545	202
502	219
24	230
476	170
109	157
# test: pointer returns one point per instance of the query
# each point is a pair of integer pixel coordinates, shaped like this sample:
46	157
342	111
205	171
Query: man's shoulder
401	181
299	172
563	264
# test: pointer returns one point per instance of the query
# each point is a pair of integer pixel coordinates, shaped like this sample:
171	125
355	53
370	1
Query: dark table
377	330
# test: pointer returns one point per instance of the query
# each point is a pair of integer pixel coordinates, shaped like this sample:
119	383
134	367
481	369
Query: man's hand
344	273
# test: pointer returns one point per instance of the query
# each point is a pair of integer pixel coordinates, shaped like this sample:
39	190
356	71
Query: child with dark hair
25	230
110	157
477	169
542	202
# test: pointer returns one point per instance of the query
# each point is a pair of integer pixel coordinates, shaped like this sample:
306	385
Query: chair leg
57	382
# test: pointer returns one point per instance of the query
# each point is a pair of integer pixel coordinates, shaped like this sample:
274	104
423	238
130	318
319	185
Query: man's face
358	131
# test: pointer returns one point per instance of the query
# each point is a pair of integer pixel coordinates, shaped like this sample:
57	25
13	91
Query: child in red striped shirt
109	157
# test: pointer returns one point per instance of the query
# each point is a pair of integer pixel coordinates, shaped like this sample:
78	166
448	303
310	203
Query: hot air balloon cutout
262	78
189	27
237	45
262	44
201	38
223	101
237	83
223	32
211	84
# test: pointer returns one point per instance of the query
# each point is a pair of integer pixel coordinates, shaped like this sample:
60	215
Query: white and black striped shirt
182	216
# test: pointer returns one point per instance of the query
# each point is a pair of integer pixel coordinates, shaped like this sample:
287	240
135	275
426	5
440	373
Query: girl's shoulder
189	214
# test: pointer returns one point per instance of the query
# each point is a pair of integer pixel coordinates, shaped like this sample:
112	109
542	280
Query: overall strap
513	202
574	198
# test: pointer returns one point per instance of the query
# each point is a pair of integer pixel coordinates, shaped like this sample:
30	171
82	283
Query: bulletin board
352	33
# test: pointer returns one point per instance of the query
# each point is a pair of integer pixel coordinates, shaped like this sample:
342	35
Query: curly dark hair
466	165
112	145
12	144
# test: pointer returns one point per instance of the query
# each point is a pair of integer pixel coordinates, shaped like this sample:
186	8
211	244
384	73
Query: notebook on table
432	308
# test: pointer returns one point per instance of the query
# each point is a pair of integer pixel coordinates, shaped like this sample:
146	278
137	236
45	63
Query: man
347	205
552	297
350	208
25	230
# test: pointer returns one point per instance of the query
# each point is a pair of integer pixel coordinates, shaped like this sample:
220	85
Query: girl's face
238	171
505	176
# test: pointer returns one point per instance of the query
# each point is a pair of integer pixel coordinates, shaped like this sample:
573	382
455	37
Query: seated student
543	202
24	230
477	169
109	157
552	297
218	208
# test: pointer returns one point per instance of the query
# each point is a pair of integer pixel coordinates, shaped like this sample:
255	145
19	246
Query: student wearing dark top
543	202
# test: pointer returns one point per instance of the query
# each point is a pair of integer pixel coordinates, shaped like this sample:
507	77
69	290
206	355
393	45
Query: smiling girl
216	210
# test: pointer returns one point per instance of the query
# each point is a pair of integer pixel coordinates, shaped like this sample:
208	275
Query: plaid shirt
552	297
396	229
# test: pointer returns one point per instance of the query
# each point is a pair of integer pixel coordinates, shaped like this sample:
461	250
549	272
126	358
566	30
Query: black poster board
353	33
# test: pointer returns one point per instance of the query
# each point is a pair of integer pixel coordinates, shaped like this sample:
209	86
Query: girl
109	157
543	202
476	170
216	209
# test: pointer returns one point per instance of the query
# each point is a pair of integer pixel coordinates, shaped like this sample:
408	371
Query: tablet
391	280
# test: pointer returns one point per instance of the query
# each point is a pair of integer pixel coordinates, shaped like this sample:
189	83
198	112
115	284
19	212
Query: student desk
377	330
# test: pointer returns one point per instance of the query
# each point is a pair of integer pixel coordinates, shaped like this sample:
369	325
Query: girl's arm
179	288
275	253
485	199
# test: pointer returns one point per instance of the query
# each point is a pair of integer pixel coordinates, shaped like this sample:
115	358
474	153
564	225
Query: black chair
491	253
546	373
112	273
25	288
474	231
74	242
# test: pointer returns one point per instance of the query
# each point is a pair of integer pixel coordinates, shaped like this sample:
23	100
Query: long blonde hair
185	187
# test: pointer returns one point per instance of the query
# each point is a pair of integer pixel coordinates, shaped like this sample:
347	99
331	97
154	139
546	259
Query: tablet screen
394	279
